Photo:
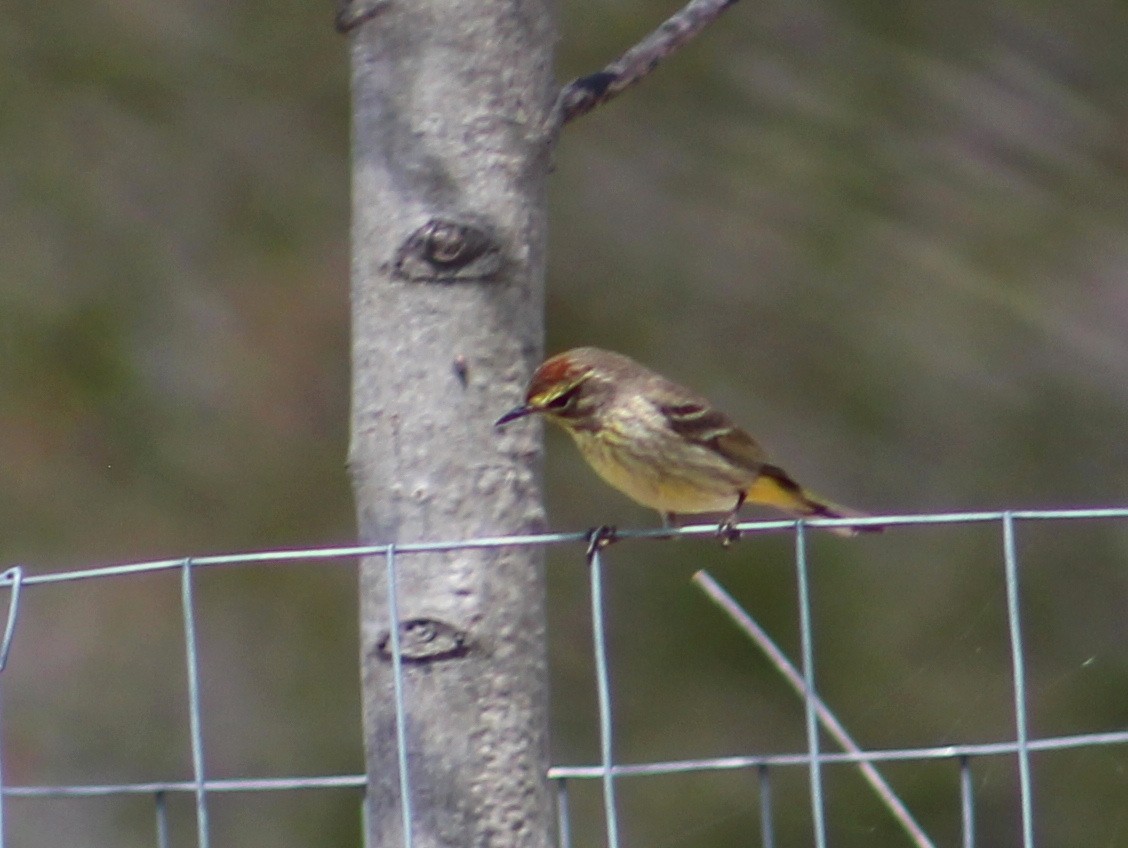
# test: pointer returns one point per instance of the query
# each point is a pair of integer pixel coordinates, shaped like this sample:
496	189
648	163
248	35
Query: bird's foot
727	528
727	531
600	537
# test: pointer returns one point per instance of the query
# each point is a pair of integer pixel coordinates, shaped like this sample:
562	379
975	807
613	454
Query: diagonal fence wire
607	771
827	718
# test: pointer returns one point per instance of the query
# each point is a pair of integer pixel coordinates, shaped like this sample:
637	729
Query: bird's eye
562	402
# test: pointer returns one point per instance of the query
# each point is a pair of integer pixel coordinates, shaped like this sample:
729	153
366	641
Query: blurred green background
891	240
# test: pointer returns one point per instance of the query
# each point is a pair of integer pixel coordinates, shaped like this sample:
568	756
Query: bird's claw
600	537
727	531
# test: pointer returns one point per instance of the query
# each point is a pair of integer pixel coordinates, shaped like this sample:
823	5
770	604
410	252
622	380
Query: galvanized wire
563	814
608	771
827	718
661	768
967	804
401	709
767	827
195	712
807	642
1010	560
161	806
3	786
603	691
354	552
13	578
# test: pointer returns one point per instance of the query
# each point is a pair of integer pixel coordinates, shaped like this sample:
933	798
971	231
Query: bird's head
569	388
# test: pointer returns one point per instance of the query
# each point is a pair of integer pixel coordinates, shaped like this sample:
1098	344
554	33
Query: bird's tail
774	487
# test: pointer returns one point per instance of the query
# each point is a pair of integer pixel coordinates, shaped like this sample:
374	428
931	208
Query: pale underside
689	478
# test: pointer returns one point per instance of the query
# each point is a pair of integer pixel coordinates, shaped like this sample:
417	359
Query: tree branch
582	95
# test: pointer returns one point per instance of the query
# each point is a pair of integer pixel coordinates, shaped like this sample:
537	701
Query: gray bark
451	153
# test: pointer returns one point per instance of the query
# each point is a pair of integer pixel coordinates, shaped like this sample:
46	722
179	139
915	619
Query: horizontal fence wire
607	771
348	552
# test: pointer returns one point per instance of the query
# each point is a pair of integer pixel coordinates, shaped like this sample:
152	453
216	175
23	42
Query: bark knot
443	250
425	640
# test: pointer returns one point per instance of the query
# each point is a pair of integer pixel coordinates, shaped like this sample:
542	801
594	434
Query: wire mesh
608	771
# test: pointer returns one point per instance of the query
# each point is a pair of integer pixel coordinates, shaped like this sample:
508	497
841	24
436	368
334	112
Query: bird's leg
726	529
670	522
600	537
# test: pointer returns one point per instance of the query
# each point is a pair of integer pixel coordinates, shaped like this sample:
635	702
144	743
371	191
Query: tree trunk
451	152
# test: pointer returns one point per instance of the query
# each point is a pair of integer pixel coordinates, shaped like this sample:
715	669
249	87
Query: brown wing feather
704	425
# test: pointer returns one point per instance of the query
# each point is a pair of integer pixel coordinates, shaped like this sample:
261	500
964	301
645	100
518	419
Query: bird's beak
515	413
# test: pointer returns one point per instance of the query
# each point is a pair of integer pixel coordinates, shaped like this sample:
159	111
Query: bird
663	445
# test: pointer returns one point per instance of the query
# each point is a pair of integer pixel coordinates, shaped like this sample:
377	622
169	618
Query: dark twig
582	95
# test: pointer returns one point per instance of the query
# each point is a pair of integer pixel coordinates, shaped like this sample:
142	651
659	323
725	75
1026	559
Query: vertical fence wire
1021	746
2	787
563	815
397	684
967	804
14	577
603	690
806	636
195	713
160	808
1010	557
716	593
364	820
767	826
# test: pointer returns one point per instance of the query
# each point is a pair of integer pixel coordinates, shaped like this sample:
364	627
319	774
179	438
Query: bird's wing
700	423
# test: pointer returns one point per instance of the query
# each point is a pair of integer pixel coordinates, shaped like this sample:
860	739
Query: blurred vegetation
892	241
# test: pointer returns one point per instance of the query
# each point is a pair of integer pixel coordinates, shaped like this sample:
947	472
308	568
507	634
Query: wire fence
607	771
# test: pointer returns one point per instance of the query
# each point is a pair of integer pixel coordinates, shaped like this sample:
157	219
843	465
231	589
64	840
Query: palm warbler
661	444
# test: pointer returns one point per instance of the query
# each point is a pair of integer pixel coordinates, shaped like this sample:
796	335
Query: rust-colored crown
562	369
